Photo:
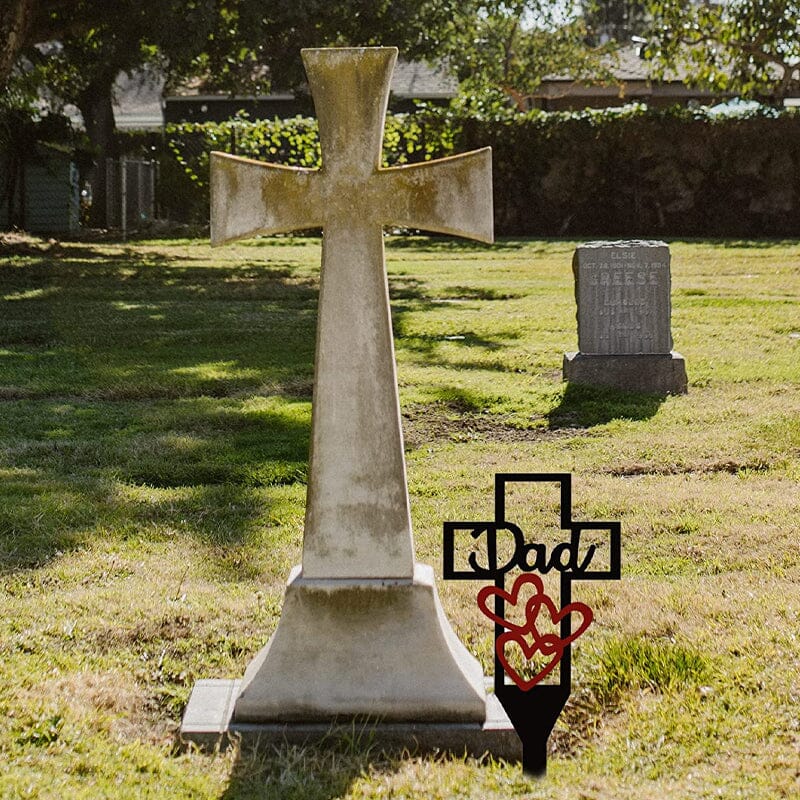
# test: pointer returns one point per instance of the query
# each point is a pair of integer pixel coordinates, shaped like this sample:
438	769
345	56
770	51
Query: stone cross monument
362	631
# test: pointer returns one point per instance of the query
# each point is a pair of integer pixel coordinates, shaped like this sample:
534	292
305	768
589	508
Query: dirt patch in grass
728	466
423	423
148	633
88	691
105	700
14	393
179	632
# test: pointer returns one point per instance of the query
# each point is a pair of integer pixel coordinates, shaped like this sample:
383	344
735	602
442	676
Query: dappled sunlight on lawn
155	411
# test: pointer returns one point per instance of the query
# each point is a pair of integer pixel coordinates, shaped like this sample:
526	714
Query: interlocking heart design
548	644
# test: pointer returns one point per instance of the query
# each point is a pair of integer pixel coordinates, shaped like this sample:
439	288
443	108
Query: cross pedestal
362	631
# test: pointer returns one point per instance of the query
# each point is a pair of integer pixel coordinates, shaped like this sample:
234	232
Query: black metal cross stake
533	707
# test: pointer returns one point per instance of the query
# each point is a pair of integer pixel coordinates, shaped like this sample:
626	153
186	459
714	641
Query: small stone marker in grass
362	632
622	290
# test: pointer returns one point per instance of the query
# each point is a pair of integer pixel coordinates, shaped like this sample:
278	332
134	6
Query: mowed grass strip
155	405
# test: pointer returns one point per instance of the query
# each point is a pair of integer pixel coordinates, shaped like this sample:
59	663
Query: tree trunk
16	17
95	104
14	191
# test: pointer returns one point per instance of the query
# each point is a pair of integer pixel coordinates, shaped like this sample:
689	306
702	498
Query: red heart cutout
549	644
510	597
533	607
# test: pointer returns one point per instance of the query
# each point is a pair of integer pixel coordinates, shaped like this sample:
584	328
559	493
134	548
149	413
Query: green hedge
634	172
644	173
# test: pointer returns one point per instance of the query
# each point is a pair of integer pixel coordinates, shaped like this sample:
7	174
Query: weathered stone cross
357	513
362	630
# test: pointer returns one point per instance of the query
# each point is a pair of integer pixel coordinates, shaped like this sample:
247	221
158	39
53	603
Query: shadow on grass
142	398
410	295
120	330
443	244
586	406
212	470
750	244
313	772
407	288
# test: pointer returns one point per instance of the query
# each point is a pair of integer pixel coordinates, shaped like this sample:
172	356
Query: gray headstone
622	291
623	295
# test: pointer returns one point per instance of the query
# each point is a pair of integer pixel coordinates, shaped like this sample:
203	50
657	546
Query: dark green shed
42	195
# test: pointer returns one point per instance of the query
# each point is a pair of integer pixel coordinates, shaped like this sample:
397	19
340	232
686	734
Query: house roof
417	80
631	80
138	100
626	64
413	80
630	65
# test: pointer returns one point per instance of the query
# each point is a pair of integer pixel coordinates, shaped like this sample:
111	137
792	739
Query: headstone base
646	373
350	647
208	723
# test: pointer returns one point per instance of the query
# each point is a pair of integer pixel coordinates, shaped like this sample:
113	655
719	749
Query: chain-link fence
130	193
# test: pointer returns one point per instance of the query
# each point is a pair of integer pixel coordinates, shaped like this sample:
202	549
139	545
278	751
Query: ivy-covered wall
644	173
629	173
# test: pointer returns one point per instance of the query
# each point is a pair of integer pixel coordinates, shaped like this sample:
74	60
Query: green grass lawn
155	405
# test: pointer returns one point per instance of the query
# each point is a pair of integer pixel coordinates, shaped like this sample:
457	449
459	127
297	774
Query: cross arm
452	195
250	197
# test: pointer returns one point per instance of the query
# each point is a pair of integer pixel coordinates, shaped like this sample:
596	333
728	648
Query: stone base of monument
646	373
379	650
208	722
360	646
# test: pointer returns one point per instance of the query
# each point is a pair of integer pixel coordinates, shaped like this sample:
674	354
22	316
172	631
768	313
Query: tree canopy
503	49
748	47
228	45
258	42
